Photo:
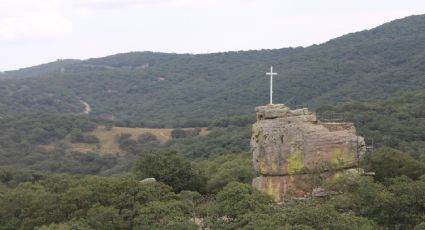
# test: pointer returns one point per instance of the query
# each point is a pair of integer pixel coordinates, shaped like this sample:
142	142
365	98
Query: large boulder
148	180
294	142
290	145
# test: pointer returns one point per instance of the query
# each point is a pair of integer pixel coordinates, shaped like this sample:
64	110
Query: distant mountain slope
397	122
173	88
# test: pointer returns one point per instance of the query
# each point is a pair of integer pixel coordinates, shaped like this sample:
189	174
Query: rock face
289	146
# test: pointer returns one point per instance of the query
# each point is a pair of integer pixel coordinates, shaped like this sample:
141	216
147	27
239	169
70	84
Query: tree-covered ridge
397	122
177	88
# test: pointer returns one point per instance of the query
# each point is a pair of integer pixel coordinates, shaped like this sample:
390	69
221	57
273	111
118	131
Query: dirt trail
87	107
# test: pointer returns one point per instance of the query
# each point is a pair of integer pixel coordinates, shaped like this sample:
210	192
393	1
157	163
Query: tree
108	218
390	163
228	168
178	133
55	227
410	201
237	199
126	143
324	216
398	204
164	215
172	169
146	138
77	136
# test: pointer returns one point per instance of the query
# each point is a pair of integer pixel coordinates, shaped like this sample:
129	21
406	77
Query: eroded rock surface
287	144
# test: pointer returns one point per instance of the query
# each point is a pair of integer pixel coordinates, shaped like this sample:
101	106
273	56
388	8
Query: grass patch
109	145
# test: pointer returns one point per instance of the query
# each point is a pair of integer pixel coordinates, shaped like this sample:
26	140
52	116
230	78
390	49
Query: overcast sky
39	31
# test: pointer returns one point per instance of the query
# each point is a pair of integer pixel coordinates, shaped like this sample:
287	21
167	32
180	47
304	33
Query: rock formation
292	150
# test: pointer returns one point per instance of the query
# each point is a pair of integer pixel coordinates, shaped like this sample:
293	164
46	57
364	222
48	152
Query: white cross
271	84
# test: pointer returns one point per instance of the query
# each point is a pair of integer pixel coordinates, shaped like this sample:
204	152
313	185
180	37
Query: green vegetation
73	144
91	202
390	163
56	174
397	122
203	181
227	168
218	142
122	140
172	169
79	137
397	202
157	89
36	142
46	201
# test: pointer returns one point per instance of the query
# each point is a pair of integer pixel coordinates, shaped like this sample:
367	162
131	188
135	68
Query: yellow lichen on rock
340	158
295	162
263	167
273	190
293	152
274	165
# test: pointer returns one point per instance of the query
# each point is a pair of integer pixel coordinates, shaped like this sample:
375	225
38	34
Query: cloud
109	4
30	19
94	5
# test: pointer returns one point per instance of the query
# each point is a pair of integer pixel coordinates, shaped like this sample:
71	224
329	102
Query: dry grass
109	145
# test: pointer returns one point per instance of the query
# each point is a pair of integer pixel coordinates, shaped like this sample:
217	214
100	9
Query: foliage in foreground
52	201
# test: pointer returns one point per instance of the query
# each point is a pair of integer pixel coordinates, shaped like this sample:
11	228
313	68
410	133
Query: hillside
397	122
176	88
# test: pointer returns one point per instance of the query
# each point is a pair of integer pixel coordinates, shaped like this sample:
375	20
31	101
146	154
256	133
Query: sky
33	32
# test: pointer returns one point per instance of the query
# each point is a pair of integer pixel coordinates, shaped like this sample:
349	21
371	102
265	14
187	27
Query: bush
146	138
79	137
178	133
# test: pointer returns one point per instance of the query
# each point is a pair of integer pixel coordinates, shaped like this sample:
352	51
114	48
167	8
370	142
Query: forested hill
173	88
397	122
